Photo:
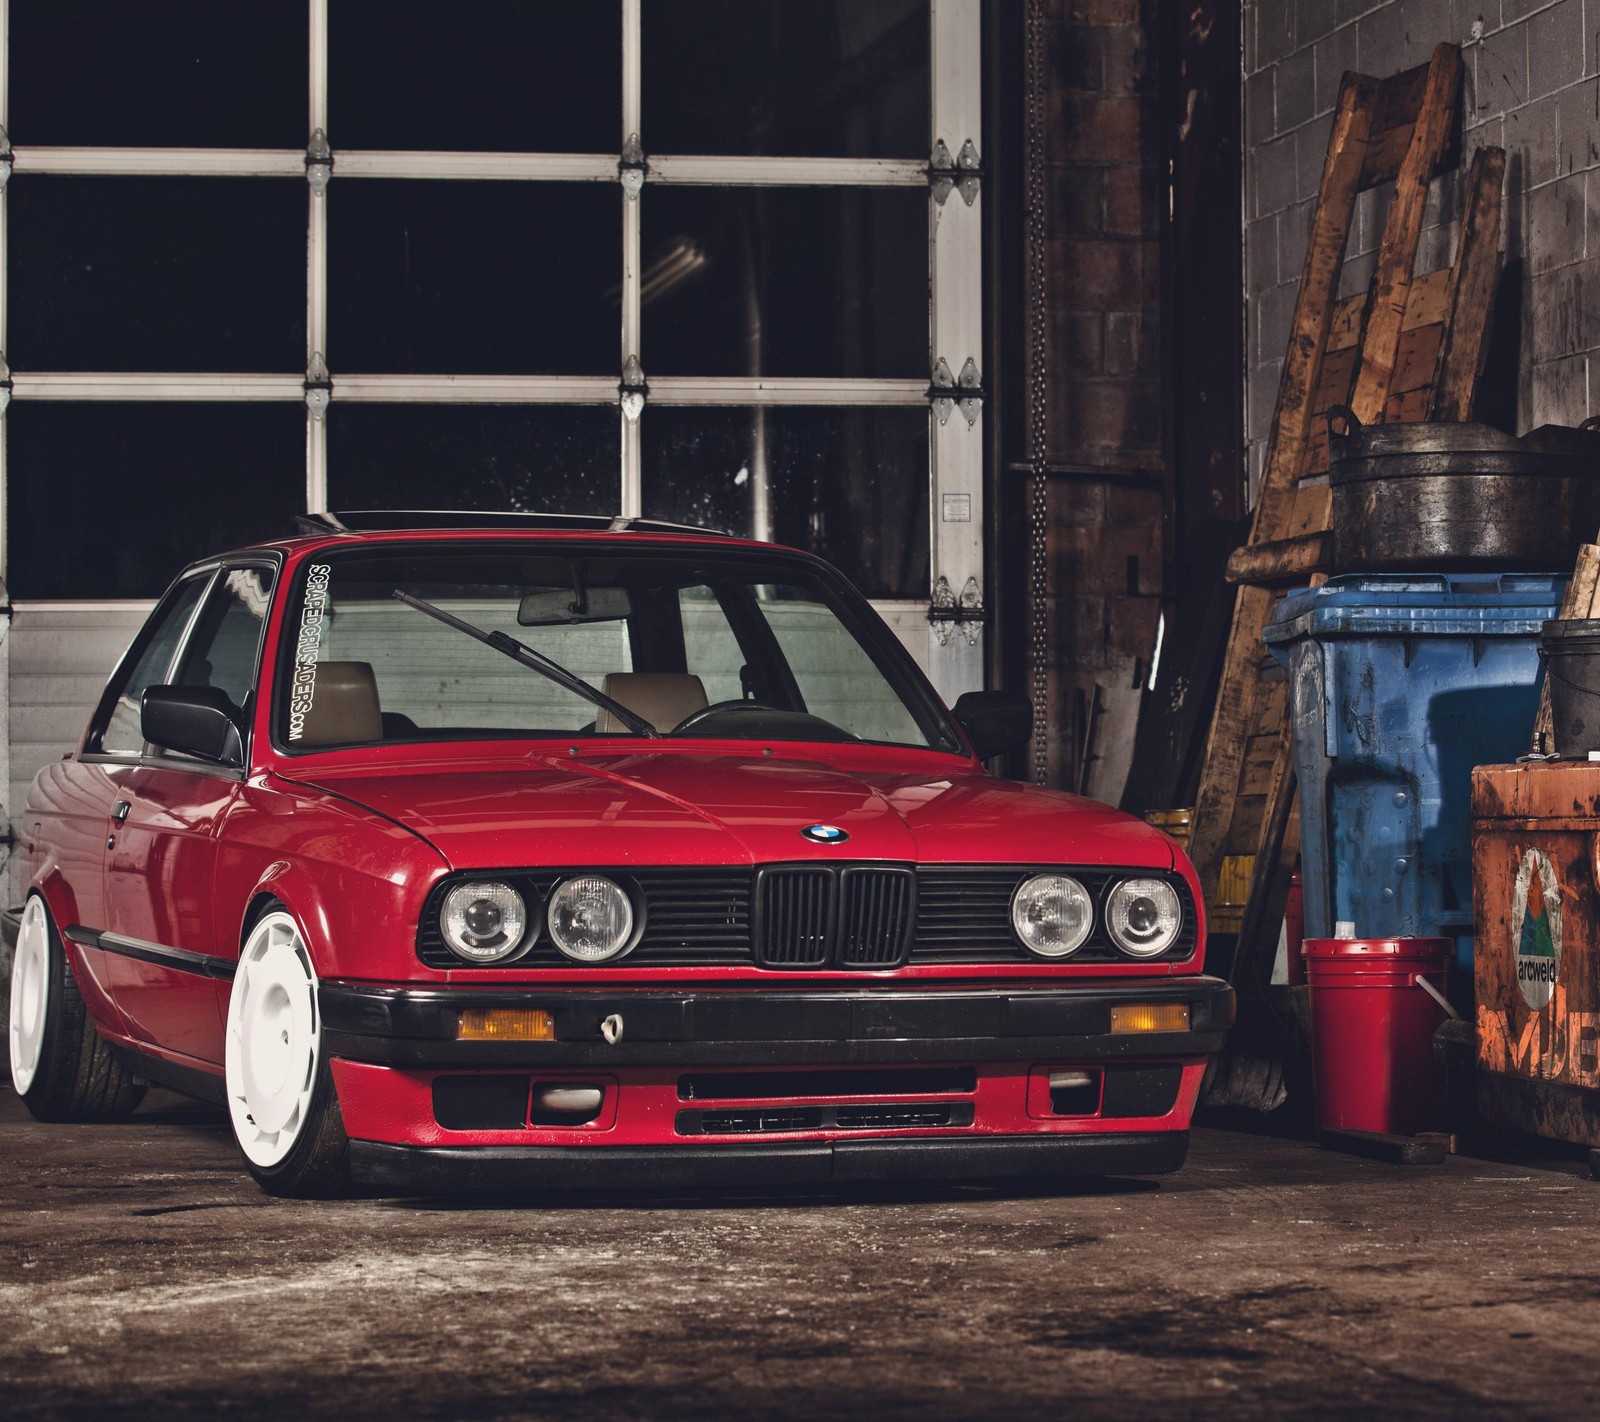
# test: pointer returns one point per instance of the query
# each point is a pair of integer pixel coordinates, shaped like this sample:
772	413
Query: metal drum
1427	496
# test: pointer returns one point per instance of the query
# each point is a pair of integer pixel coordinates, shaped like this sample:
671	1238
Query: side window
835	675
121	735
711	650
227	638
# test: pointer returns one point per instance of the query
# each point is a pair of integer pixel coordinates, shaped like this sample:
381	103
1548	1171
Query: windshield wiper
535	661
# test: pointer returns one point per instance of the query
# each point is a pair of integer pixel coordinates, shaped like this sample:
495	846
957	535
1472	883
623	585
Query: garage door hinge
964	173
947	391
6	158
318	386
633	389
631	168
947	611
319	162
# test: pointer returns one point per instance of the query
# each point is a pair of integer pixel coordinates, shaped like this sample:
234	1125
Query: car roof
389	525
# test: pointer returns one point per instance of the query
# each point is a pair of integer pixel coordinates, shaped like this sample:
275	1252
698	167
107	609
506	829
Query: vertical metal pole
5	594
5	123
632	500
317	268
955	238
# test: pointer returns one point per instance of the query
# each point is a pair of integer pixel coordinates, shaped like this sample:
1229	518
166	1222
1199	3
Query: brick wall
1530	87
1103	373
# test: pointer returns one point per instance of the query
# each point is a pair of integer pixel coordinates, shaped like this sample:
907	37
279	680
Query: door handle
120	811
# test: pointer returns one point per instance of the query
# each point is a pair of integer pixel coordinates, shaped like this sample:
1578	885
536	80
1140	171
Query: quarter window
222	653
151	667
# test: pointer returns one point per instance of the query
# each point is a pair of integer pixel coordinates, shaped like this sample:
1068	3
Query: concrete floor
142	1275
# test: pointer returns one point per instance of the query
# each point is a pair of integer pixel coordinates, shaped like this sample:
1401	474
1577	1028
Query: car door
86	788
171	983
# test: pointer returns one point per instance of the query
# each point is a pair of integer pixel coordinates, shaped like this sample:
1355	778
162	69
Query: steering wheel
719	708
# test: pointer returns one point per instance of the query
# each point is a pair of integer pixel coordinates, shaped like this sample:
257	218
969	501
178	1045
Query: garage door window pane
532	458
851	485
798	78
173	74
83	521
540	76
785	281
458	278
161	274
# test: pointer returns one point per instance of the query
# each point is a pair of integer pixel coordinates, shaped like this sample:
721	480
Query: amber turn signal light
505	1024
1150	1017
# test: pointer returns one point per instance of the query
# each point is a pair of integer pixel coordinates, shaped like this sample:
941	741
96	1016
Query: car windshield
692	643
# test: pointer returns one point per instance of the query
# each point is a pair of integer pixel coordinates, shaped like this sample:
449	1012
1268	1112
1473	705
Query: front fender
353	881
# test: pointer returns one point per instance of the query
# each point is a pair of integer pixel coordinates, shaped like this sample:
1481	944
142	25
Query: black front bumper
429	1170
416	1027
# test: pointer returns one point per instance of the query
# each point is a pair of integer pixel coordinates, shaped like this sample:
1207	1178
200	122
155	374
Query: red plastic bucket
1372	1032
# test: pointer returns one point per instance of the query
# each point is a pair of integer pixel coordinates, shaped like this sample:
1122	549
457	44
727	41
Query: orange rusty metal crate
1536	906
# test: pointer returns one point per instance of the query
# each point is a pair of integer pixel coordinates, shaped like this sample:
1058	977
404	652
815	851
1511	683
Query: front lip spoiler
425	1170
415	1027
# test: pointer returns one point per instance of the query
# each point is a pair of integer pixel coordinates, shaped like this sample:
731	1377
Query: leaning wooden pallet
1439	346
1410	348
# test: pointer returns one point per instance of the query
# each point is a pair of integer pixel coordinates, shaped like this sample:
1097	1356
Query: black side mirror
996	722
193	720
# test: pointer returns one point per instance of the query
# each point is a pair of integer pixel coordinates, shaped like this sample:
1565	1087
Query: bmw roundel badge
824	834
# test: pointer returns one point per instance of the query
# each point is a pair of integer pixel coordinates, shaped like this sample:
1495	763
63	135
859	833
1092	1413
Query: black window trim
884	649
212	570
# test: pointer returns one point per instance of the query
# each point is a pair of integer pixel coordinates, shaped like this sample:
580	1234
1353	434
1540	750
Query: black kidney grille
875	917
795	917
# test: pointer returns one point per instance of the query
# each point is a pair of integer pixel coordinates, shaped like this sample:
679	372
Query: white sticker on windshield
303	688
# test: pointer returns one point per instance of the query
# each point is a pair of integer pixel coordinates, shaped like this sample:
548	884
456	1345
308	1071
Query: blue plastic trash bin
1400	683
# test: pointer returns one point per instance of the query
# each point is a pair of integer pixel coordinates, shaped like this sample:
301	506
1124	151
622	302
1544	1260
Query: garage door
712	261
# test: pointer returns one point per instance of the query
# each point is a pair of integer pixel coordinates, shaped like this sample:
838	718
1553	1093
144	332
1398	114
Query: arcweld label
1536	928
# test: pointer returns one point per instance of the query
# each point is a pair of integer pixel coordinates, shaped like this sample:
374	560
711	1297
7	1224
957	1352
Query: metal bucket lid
1462	445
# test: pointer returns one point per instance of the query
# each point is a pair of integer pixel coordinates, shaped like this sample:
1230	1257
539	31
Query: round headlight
483	922
1144	916
1052	914
591	919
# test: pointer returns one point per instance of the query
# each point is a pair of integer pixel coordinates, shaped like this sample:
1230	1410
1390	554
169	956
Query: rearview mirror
996	722
560	606
192	720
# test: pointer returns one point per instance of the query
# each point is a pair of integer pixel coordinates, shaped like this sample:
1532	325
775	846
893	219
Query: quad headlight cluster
590	919
1053	915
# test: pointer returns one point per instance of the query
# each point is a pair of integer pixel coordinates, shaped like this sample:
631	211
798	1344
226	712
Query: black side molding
180	959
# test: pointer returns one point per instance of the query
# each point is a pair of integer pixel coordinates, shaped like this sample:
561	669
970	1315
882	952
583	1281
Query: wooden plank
1416	362
1281	560
1582	596
1473	281
1345	332
1429	299
1313	319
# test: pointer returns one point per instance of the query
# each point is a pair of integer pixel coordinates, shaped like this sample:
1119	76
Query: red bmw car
573	854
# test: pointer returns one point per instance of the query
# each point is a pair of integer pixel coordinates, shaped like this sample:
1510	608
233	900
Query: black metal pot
1426	496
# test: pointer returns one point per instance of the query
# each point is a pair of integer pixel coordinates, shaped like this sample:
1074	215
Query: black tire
317	1166
78	1078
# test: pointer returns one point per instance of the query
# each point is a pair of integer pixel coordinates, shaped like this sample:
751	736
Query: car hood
675	808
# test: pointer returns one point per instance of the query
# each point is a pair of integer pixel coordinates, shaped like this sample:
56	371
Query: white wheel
30	996
274	1041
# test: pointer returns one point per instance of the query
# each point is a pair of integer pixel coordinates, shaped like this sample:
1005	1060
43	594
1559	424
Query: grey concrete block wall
1532	86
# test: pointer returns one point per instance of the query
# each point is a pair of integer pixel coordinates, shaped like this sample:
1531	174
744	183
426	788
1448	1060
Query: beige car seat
344	706
662	698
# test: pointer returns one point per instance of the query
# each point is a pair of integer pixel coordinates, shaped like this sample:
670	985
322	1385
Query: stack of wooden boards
1409	348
